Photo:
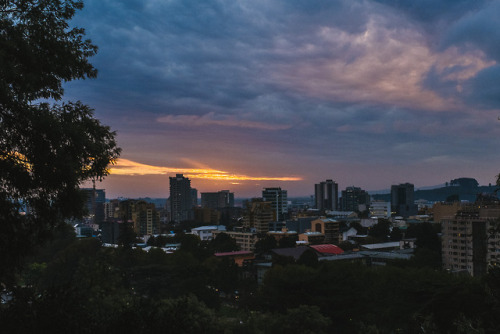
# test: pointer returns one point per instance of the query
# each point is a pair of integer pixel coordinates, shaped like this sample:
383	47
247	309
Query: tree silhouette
46	151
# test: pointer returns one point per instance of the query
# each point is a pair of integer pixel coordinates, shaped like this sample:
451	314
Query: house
327	249
206	232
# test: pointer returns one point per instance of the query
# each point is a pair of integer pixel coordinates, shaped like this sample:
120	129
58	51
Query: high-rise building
217	200
326	195
258	216
181	202
146	219
402	202
354	197
94	205
194	197
471	239
206	216
279	202
143	216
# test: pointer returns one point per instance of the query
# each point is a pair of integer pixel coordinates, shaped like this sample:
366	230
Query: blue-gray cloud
343	80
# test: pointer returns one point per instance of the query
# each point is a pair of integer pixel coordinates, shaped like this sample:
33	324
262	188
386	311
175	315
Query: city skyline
249	95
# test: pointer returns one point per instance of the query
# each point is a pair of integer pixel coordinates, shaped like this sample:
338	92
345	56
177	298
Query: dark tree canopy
39	51
46	151
223	242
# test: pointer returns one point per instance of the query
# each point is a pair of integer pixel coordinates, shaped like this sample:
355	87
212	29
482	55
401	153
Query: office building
380	209
194	198
279	202
94	205
206	216
181	202
402	202
326	195
354	199
217	200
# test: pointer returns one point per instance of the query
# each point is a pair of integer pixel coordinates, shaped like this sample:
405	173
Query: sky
241	95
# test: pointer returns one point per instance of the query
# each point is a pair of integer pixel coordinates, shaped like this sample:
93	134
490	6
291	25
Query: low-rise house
205	233
311	238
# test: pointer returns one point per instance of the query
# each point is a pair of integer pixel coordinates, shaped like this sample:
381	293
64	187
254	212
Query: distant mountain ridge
466	189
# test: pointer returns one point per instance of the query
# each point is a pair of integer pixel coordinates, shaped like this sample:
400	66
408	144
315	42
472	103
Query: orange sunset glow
129	167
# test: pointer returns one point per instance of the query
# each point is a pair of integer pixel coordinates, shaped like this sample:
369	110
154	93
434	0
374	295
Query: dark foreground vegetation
78	286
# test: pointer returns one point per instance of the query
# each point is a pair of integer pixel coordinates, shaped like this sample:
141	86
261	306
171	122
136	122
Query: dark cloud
484	89
479	28
264	82
434	11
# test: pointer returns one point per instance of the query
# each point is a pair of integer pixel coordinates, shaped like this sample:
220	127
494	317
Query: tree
46	151
222	243
346	246
358	227
288	242
127	237
265	244
396	234
380	230
308	258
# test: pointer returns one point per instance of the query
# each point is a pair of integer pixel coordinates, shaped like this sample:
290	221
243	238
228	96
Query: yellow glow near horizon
129	167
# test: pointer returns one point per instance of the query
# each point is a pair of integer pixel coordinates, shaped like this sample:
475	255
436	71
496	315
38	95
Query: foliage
346	246
85	288
265	244
396	234
159	241
427	236
46	151
222	274
386	300
360	229
287	242
127	237
381	230
308	258
222	243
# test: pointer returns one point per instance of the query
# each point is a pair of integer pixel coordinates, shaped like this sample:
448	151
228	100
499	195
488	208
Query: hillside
466	191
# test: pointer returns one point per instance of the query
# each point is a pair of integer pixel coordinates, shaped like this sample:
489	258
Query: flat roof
234	253
392	244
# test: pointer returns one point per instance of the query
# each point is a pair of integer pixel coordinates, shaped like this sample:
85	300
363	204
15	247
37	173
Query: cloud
130	168
212	119
380	65
262	86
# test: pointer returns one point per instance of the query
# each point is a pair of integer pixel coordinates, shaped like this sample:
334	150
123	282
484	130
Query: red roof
327	249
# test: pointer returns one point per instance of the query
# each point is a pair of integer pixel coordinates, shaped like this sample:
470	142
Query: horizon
256	195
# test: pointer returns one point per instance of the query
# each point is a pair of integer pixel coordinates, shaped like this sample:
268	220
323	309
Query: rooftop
328	249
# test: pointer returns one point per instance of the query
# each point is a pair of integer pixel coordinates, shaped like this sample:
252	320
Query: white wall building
205	232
